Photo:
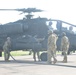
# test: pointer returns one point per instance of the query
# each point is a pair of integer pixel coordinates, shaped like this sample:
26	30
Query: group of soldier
52	47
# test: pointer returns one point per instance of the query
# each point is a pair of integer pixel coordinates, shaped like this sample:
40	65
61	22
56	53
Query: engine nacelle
12	28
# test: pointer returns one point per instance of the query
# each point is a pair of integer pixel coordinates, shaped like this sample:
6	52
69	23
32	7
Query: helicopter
32	33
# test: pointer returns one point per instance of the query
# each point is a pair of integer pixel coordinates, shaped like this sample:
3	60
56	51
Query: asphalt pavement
24	65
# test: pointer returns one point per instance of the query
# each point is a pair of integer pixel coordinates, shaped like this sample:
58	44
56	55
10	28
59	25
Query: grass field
23	53
18	53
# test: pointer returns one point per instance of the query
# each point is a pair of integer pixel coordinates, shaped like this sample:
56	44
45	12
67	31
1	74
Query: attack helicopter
24	32
32	33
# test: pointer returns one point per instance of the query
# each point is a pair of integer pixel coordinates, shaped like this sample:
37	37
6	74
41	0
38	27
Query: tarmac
25	65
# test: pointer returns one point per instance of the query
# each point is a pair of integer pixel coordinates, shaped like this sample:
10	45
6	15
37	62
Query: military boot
65	60
55	60
49	61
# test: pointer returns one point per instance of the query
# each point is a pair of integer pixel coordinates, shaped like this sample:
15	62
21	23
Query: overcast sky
55	9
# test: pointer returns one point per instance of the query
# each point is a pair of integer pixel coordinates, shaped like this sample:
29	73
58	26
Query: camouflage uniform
64	46
6	48
51	52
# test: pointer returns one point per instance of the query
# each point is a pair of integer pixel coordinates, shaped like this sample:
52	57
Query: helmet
64	34
50	32
8	38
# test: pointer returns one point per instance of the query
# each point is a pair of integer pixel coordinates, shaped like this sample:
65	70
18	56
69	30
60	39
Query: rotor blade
13	9
7	9
23	10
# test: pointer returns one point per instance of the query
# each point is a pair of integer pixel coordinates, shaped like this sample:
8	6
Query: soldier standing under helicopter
6	48
64	46
34	55
51	47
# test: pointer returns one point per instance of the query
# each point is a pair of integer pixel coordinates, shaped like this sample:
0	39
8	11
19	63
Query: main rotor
23	10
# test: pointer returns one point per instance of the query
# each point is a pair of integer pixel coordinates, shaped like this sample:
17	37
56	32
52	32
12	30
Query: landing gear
68	52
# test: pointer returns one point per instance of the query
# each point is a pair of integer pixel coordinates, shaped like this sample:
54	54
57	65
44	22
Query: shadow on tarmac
59	63
71	66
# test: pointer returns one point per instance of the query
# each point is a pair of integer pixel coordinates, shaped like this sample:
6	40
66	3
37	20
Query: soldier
64	46
51	47
6	48
37	51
